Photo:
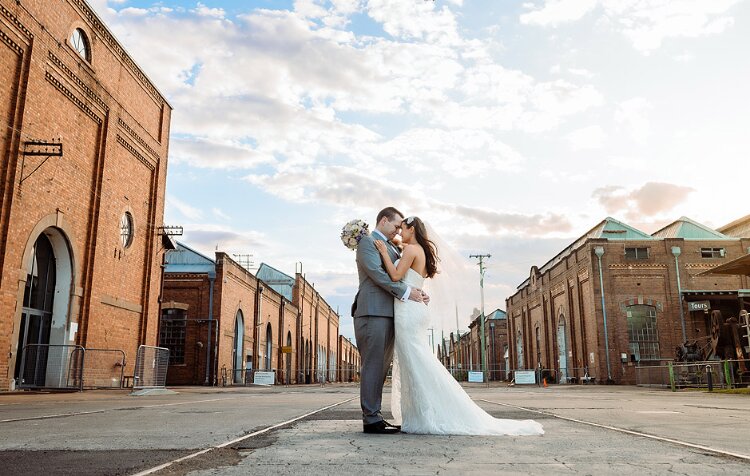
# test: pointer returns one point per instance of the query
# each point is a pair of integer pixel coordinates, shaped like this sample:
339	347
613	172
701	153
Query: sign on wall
525	377
264	378
699	306
476	377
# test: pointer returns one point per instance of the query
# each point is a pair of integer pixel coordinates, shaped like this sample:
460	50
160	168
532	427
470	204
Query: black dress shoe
381	427
391	425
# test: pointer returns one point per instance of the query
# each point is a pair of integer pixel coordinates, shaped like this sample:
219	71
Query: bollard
709	378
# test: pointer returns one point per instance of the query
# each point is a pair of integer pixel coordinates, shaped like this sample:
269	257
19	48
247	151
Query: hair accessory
409	220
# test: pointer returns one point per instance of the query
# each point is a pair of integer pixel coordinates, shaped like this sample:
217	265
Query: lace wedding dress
425	397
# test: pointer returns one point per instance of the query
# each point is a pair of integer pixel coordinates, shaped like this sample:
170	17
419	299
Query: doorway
238	352
562	350
42	356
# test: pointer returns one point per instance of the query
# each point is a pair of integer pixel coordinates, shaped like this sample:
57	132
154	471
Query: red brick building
84	157
216	311
617	297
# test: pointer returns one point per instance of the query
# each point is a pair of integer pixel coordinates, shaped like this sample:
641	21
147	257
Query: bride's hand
380	245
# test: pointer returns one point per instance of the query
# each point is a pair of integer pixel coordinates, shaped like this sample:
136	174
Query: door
36	315
562	351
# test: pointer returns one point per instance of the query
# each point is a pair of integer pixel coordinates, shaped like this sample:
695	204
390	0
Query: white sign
264	378
476	377
525	377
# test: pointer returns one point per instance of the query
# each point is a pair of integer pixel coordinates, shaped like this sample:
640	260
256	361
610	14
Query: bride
431	401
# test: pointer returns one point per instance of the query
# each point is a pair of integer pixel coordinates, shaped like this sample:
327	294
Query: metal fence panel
151	365
103	368
51	366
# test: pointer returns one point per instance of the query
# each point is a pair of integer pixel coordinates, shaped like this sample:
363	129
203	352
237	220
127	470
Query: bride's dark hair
430	250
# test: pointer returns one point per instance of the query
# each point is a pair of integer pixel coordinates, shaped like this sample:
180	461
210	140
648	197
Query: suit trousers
374	337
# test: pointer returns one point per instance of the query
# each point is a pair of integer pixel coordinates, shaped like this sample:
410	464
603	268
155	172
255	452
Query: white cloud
205	11
555	12
187	211
633	116
645	23
590	137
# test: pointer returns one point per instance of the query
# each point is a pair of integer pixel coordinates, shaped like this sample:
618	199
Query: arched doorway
41	359
519	350
269	347
288	363
238	350
562	350
308	363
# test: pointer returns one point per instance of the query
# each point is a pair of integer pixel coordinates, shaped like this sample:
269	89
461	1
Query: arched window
643	334
80	42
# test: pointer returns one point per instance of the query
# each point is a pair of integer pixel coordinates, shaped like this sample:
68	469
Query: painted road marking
237	440
629	432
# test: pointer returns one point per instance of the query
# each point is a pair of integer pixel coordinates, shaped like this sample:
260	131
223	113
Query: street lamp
481	319
599	252
432	339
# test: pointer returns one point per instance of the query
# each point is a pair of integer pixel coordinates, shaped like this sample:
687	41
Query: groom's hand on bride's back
419	296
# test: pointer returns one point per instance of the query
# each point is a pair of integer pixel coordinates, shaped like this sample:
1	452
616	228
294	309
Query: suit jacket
376	290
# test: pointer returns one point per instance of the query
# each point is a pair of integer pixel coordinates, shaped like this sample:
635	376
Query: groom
373	317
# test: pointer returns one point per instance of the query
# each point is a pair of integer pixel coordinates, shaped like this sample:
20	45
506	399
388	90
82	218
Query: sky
511	127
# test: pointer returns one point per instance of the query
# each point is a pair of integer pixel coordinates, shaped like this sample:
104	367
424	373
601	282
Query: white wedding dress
425	397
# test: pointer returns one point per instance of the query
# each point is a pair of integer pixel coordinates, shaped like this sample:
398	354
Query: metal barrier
51	366
104	368
151	365
722	374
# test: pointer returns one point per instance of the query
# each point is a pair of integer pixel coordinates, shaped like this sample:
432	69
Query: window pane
642	332
173	327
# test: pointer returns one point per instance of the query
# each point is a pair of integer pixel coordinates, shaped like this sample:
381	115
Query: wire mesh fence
151	365
707	374
103	368
51	366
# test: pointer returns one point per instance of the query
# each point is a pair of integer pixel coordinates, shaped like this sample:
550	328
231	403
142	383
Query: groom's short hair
388	212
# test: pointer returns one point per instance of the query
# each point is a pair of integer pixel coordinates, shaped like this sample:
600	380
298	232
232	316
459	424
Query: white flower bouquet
354	231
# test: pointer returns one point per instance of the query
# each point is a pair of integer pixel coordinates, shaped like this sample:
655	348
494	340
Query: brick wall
114	128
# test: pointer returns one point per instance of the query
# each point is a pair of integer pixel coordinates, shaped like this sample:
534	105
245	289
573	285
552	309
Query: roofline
278	271
179	243
721	229
125	51
699	225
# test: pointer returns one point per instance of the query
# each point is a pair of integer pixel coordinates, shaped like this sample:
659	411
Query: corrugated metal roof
184	259
689	229
608	228
280	282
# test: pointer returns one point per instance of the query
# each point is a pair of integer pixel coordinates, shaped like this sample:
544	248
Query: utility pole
481	317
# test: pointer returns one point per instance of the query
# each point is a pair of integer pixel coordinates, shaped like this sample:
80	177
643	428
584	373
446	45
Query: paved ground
316	430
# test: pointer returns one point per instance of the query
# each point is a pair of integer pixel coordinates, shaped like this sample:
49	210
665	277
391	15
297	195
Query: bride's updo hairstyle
430	250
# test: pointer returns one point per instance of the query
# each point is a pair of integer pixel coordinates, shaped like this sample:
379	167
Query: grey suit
373	324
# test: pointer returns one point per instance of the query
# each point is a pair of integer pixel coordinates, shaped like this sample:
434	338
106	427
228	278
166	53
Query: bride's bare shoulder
414	249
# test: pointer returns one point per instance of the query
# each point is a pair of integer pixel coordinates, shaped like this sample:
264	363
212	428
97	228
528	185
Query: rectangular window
173	326
712	252
636	253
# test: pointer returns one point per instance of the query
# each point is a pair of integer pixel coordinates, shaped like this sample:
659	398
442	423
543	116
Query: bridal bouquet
353	232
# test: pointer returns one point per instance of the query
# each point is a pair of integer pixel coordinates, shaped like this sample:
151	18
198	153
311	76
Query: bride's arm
396	272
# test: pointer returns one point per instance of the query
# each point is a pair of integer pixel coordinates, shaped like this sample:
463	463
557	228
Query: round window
126	230
80	43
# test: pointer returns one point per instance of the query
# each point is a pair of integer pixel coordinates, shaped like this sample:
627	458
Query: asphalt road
316	430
